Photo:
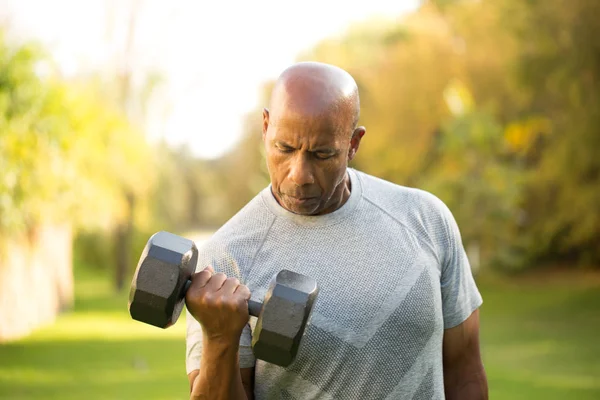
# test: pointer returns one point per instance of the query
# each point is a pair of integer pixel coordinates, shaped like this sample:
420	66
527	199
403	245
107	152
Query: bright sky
213	54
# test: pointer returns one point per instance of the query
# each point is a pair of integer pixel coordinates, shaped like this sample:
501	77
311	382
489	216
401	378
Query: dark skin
464	375
310	135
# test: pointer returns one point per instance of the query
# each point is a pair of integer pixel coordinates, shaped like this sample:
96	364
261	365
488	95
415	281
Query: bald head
317	90
310	136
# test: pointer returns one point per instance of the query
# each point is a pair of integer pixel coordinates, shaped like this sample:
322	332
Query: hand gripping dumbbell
163	276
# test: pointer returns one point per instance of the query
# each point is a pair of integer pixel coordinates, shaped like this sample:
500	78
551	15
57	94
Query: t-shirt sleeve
460	295
221	261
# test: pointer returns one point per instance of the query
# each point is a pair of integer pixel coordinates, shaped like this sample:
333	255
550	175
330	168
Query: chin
302	210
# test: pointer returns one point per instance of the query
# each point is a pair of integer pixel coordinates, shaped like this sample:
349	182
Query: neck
340	195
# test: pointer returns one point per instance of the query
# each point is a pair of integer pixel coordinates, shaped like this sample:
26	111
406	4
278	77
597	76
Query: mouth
301	200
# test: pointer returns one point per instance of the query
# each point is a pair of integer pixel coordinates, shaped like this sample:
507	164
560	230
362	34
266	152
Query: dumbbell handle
254	307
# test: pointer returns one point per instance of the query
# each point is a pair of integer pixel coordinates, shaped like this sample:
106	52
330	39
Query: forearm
219	376
469	387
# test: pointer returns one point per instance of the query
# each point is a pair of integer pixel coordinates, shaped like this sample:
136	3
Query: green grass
96	352
540	340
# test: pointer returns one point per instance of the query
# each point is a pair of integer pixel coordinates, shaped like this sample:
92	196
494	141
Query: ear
355	141
265	125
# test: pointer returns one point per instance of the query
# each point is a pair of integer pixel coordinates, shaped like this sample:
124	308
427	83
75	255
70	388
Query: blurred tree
531	67
242	172
483	189
493	106
559	69
401	80
63	145
124	230
133	89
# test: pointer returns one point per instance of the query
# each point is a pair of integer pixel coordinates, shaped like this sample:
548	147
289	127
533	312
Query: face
307	157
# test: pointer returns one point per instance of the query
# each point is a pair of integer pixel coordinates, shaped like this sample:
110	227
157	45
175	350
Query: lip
301	200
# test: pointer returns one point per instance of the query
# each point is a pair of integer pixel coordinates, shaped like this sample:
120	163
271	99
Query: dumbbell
163	275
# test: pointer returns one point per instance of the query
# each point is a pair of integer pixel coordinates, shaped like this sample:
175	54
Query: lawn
96	352
539	339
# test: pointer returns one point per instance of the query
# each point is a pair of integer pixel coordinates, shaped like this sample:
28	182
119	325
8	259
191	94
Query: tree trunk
123	243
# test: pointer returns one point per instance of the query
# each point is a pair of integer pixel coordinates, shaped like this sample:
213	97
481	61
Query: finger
230	285
200	279
216	281
210	268
243	291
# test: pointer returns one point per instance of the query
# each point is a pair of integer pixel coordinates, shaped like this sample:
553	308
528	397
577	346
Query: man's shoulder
241	235
254	211
421	213
401	201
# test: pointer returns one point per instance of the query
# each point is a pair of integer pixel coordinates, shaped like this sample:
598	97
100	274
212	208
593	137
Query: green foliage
401	85
480	184
244	168
494	107
95	248
559	68
66	151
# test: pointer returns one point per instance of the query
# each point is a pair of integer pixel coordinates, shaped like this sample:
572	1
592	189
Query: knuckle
207	298
233	280
217	301
203	298
237	304
242	302
204	276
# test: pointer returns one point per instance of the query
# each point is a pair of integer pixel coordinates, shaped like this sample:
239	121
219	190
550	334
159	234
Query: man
396	316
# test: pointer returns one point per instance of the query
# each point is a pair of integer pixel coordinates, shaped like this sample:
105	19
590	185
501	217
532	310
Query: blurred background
122	118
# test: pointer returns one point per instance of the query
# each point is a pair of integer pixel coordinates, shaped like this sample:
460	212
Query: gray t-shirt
392	274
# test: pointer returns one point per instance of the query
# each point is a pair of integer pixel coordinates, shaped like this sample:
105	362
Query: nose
301	171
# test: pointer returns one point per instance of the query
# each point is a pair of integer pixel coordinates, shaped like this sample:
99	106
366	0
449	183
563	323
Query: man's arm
246	374
464	375
248	381
220	306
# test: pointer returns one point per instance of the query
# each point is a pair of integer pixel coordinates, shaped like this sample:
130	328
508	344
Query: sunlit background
122	118
212	57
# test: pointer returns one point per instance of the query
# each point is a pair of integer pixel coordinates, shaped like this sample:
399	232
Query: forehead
291	122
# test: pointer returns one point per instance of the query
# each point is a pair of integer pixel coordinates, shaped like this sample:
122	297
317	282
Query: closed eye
324	155
285	149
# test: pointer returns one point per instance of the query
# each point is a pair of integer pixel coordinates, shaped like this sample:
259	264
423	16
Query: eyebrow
323	149
281	143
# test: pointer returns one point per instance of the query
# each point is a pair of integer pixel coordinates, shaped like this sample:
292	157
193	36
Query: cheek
334	172
275	165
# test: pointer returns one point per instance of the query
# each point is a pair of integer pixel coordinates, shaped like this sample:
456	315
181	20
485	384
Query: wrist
221	344
222	338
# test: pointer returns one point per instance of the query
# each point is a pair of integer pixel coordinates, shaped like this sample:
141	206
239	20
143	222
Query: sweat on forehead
316	89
